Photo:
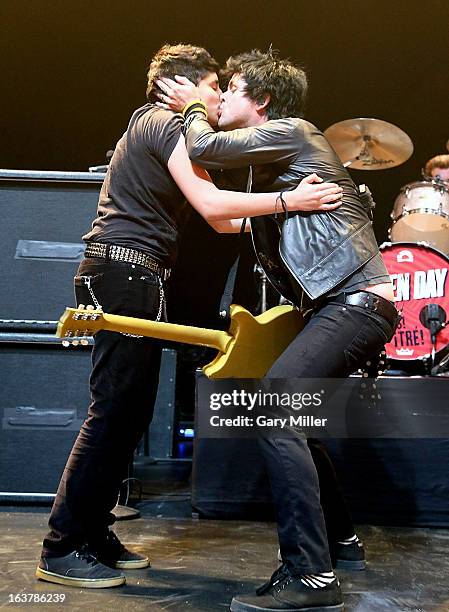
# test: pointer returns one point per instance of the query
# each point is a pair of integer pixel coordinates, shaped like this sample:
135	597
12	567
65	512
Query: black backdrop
71	72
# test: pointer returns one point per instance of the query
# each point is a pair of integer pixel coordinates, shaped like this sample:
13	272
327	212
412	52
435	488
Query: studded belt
367	299
113	252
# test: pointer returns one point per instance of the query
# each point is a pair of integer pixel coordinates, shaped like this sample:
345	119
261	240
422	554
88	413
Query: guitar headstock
76	324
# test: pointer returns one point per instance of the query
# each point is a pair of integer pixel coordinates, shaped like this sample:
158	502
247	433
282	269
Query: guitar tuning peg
66	343
75	342
84	342
81	307
90	307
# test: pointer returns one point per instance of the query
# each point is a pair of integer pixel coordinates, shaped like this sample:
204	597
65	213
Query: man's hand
175	95
313	194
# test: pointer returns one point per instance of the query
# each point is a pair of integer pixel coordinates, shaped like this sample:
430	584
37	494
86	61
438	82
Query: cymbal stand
365	155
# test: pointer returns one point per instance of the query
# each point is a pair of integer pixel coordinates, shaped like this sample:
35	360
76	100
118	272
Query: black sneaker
286	592
80	569
112	553
348	556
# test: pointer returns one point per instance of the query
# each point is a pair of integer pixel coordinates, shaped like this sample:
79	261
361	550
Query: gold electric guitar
247	350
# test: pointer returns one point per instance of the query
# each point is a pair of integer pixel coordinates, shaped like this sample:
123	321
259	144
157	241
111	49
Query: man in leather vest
327	264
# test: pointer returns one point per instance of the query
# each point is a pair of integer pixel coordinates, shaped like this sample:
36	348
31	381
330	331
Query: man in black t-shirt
129	252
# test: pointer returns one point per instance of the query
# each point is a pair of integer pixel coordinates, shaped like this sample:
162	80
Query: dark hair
186	60
266	75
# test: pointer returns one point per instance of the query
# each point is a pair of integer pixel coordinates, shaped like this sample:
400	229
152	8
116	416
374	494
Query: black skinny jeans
123	384
336	341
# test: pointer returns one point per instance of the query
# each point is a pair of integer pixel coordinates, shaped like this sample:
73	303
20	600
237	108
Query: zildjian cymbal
369	144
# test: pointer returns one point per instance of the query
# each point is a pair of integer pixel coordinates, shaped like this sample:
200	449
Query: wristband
280	198
194	106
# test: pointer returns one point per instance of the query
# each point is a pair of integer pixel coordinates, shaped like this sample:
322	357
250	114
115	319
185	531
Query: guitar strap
228	292
249	188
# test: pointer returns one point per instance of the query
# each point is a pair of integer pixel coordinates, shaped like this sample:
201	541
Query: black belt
114	252
368	300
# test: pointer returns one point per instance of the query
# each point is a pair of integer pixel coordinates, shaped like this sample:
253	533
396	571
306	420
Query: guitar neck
199	336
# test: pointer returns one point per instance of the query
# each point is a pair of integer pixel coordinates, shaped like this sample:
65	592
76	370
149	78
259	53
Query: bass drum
421	214
420	276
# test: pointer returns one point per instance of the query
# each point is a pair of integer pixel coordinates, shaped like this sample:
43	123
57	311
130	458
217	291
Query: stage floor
199	565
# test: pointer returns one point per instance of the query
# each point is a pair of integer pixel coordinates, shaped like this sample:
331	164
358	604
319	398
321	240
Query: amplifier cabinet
44	215
44	397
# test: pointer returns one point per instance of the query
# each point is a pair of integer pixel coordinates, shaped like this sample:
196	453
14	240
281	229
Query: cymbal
369	144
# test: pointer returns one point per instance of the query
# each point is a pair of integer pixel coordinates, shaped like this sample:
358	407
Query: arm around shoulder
270	142
218	205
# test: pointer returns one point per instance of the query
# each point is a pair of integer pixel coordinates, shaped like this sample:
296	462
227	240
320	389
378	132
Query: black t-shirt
140	205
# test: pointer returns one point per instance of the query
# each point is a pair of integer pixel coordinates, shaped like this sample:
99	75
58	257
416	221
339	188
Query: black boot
348	556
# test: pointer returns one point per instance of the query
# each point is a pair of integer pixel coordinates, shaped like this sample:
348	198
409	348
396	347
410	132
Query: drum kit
417	256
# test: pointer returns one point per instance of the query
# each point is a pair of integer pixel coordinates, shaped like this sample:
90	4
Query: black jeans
123	385
336	341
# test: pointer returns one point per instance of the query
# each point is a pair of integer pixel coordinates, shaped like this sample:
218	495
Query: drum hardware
365	155
433	317
263	279
441	369
369	144
440	183
444	184
427	211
